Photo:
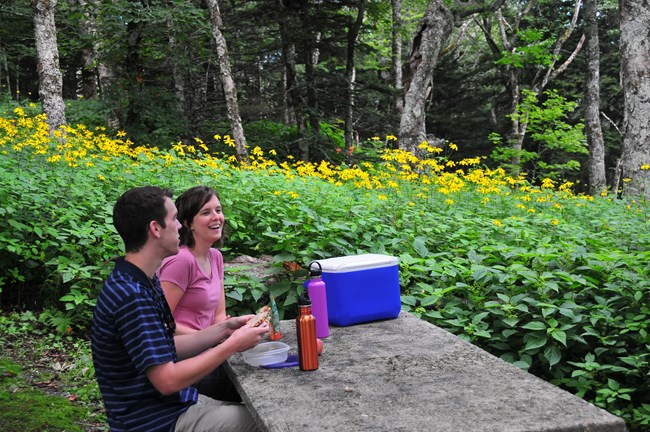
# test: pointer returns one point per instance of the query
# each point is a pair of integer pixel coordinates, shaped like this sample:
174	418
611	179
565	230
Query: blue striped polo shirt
129	334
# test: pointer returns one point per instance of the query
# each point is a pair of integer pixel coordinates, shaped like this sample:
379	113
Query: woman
193	279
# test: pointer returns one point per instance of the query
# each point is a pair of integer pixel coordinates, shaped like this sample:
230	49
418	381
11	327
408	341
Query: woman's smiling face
207	225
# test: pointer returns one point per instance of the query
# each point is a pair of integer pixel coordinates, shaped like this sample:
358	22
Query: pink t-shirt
196	308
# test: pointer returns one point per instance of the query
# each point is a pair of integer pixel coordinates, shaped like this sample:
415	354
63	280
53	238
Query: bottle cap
315	272
304	299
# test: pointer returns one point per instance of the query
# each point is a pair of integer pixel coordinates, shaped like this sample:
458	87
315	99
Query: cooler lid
357	262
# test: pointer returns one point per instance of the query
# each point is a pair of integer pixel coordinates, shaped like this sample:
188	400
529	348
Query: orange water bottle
306	332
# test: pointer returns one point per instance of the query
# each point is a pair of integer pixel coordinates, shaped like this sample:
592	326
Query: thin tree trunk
104	80
350	74
287	114
635	58
295	103
227	81
88	30
5	64
134	75
593	129
49	72
432	32
312	100
177	73
396	54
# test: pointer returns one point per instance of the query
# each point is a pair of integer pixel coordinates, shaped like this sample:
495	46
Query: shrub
553	282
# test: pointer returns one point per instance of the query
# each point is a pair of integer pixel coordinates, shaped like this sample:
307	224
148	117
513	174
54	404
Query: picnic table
406	374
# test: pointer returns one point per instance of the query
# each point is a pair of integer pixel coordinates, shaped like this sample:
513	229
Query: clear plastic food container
266	353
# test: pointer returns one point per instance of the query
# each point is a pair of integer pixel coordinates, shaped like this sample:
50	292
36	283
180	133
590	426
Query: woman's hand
246	337
233	323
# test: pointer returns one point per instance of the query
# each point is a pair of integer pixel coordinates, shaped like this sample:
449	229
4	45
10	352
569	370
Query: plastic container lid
266	353
357	262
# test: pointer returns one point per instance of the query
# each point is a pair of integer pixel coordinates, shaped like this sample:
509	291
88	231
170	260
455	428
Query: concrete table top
408	375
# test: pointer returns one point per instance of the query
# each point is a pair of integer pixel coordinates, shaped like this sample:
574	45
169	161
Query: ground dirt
45	370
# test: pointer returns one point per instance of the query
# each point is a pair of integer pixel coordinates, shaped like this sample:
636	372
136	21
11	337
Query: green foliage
269	135
553	282
534	49
90	113
554	140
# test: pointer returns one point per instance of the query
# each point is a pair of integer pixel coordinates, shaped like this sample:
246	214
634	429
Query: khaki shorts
213	415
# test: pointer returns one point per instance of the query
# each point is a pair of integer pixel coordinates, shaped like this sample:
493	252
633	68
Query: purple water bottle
317	293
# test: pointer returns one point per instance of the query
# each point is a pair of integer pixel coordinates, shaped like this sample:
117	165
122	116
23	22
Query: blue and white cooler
361	288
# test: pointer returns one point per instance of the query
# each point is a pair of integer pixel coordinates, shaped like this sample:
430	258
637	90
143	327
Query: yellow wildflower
548	183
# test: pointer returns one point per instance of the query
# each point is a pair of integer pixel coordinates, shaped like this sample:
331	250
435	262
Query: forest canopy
506	80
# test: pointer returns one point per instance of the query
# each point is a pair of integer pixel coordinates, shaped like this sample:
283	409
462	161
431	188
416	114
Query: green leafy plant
555	142
553	282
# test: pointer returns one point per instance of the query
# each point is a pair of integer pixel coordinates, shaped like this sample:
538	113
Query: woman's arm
173	294
220	312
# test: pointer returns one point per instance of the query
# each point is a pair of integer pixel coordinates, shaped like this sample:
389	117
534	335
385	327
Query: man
145	372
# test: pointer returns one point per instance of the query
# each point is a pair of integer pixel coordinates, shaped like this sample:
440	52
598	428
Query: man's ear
154	229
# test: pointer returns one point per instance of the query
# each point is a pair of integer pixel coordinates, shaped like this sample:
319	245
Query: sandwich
263	315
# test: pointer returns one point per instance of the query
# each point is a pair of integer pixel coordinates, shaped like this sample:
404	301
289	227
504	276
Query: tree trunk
49	73
396	54
227	81
134	73
635	71
295	103
350	75
88	30
312	99
287	114
5	65
432	33
177	72
98	76
593	129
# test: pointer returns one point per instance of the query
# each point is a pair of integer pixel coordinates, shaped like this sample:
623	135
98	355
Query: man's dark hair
189	203
134	210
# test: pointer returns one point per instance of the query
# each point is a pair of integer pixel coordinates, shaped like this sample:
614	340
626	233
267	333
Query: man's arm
191	344
171	377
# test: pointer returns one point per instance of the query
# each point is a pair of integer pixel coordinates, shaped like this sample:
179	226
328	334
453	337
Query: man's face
169	234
